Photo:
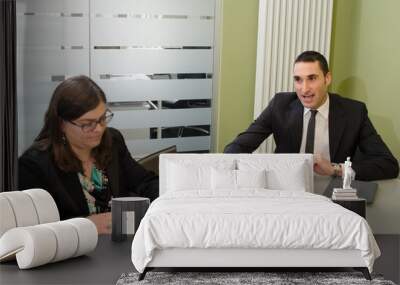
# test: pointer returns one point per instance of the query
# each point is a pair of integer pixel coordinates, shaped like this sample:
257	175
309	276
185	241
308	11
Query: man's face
311	84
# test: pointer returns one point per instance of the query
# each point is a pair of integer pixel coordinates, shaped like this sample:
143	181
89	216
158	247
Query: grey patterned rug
270	278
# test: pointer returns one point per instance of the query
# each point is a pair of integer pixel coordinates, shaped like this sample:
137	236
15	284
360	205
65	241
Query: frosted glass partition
138	30
153	58
156	7
52	43
157	55
187	144
150	61
147	89
161	118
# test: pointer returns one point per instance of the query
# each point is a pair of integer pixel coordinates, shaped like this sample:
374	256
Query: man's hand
102	222
323	166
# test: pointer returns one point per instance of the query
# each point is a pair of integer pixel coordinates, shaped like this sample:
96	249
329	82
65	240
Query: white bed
219	210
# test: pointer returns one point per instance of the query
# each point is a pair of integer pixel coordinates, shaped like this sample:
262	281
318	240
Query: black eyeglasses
103	120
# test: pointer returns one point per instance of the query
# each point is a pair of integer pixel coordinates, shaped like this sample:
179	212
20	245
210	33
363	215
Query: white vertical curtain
285	29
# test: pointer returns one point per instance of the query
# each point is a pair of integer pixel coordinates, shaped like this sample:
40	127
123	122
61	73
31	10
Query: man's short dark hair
313	56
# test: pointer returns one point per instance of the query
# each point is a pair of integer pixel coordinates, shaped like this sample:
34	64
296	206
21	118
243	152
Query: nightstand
356	205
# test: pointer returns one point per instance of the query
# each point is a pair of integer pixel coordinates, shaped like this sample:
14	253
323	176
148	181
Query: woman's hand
102	222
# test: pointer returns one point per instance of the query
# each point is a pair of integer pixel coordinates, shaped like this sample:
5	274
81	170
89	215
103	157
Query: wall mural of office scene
199	141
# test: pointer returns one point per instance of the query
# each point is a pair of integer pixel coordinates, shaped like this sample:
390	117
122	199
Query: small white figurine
348	174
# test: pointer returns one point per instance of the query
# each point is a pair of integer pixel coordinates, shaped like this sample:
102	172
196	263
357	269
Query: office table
104	265
110	259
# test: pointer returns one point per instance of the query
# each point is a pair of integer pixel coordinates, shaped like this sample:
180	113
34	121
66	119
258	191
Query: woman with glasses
80	161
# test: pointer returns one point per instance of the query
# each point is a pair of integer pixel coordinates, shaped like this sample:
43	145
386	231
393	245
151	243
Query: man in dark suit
311	120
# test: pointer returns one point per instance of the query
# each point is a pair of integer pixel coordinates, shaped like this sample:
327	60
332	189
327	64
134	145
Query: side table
120	207
357	205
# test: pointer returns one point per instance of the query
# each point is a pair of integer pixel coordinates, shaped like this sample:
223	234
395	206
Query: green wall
238	69
365	61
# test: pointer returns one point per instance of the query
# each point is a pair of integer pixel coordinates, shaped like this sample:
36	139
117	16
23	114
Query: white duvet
250	219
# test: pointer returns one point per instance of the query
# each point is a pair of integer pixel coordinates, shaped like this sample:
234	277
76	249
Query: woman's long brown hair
71	99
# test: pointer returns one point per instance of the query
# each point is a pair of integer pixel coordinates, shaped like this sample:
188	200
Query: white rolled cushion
223	179
7	218
282	174
33	246
251	178
67	239
40	244
87	235
45	205
23	208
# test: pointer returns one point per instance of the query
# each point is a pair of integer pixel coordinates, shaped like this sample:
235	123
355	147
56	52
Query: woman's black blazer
37	169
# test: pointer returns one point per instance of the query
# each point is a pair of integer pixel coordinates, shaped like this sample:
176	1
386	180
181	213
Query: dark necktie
311	133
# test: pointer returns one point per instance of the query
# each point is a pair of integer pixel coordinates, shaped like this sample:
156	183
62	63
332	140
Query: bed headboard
275	160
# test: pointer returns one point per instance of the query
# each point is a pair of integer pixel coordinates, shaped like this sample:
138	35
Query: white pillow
188	174
184	177
223	179
281	174
251	178
236	179
291	180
